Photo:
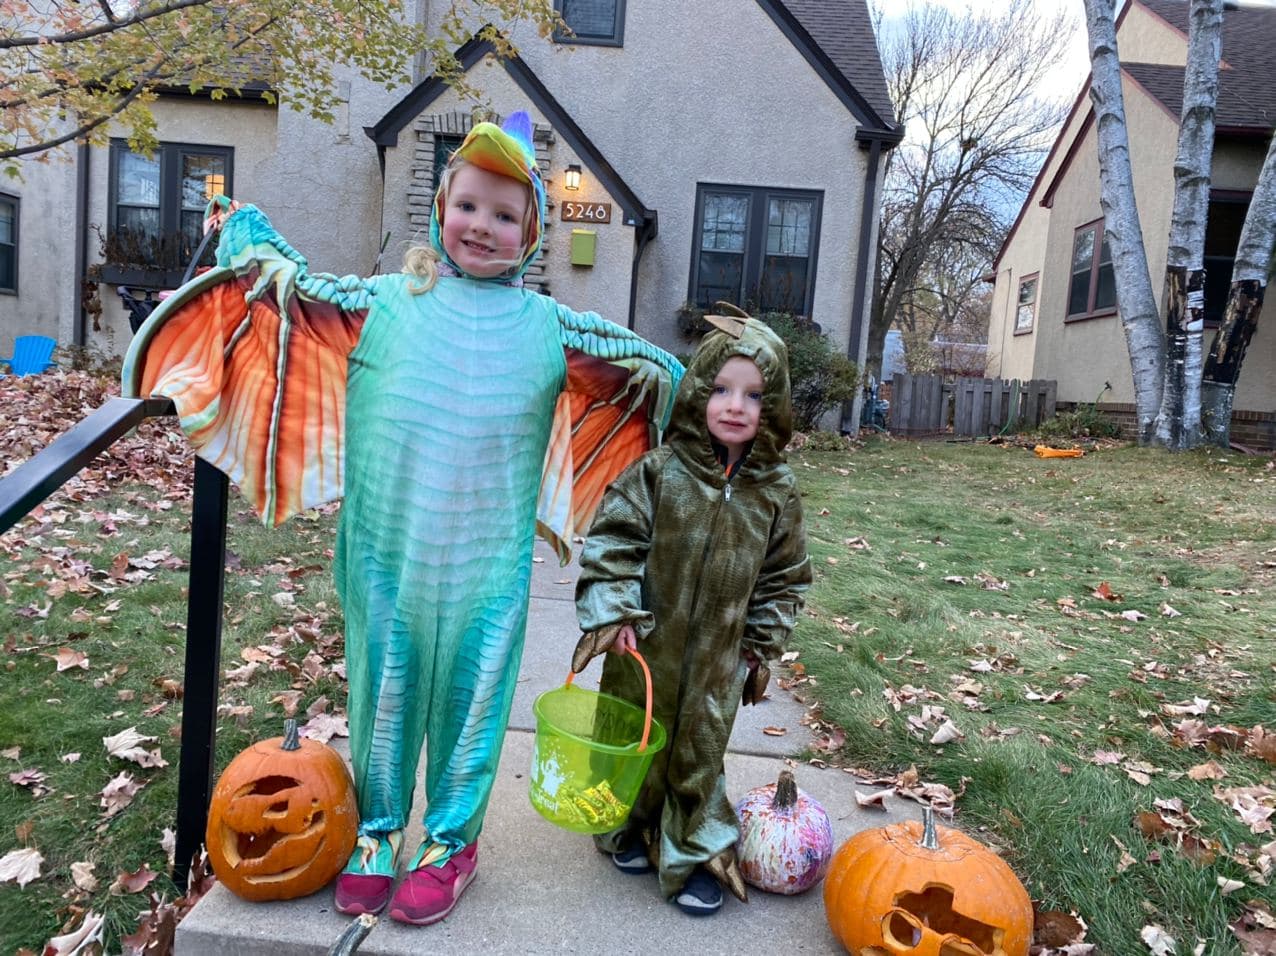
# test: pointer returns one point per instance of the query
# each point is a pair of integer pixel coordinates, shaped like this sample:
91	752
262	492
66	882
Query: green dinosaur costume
703	566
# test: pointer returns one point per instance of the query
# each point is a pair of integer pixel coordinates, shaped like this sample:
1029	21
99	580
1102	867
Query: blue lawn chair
32	354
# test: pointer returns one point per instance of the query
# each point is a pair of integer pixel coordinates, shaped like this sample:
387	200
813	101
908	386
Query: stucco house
1054	309
729	149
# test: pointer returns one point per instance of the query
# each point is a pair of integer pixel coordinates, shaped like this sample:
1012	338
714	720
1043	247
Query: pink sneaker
364	885
429	893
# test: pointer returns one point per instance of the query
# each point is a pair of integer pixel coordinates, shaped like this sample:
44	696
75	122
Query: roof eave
386	132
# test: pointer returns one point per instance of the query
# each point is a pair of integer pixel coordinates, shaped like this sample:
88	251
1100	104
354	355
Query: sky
1073	68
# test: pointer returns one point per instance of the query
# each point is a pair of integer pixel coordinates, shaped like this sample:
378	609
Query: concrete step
541	889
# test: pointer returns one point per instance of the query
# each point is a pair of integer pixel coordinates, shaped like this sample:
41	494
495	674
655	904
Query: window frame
16	202
616	39
169	154
1100	232
756	226
1035	278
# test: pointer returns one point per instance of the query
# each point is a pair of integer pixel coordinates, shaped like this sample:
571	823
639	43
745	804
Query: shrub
1082	422
820	376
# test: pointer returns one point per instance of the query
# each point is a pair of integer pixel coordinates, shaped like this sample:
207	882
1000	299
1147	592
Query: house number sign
586	211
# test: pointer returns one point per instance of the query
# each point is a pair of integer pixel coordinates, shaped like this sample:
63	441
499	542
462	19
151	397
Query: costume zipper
708	550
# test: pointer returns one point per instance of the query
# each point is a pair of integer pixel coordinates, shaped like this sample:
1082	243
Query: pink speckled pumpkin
786	839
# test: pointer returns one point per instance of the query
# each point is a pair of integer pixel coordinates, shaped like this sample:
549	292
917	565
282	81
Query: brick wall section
421	189
1252	429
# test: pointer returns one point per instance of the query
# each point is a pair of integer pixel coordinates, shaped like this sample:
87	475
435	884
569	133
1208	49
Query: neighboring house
1054	310
730	149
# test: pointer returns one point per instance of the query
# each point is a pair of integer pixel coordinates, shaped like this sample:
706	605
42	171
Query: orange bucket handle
646	673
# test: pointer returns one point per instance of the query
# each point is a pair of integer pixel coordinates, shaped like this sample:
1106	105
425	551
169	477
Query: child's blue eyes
752	396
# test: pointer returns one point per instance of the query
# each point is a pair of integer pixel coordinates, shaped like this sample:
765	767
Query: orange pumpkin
283	819
915	889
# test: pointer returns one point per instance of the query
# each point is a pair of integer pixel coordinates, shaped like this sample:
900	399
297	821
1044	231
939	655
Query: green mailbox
584	247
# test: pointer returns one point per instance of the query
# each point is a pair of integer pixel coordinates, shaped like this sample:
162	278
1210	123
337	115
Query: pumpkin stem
930	836
785	791
292	737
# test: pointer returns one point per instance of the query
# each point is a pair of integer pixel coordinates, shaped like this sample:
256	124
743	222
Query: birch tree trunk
1254	261
1178	421
1135	300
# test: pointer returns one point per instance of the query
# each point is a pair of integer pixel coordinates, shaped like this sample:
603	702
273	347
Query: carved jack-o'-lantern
903	891
283	819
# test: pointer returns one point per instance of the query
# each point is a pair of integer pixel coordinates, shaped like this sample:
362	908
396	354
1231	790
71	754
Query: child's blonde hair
422	261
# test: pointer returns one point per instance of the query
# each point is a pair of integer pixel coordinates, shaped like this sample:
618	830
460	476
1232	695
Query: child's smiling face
483	221
735	405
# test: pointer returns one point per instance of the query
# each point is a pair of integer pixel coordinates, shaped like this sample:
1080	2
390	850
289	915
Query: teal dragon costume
456	422
705	565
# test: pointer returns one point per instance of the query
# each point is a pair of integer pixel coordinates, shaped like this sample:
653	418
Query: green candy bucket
591	754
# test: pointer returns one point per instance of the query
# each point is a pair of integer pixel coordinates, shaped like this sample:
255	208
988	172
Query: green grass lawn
953	582
963	577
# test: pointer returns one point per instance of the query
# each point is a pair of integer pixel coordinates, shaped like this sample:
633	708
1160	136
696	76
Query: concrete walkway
541	889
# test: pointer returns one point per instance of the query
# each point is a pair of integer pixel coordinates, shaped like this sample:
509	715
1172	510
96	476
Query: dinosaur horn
729	309
733	326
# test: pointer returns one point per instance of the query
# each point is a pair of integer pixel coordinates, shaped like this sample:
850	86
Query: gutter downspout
79	333
644	234
873	141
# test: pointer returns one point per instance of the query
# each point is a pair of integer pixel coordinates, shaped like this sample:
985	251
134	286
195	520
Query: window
1227	213
9	244
592	22
157	203
755	246
1092	288
1027	310
444	146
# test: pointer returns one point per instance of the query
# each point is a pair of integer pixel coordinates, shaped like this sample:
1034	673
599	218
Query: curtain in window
722	243
782	286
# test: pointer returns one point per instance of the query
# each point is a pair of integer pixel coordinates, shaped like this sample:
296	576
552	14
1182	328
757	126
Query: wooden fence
930	405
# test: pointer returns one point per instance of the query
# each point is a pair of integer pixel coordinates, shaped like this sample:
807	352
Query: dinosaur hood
506	149
688	431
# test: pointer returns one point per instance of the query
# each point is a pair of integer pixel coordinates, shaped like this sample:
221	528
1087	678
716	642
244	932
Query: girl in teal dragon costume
468	397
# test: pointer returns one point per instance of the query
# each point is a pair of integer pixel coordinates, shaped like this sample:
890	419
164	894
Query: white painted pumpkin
786	839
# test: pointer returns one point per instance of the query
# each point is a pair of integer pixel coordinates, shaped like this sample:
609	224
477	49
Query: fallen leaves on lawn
67	658
1105	593
33	780
1254	805
119	793
323	727
1210	770
20	866
126	745
1158	941
82	876
87	937
908	783
1255	928
1060	934
133	882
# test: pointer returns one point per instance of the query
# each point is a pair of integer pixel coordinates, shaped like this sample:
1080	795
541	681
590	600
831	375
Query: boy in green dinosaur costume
698	555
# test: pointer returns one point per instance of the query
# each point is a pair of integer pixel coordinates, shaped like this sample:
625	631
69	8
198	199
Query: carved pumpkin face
283	819
905	890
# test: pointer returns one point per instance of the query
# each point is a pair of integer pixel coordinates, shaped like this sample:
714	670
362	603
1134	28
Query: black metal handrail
52	467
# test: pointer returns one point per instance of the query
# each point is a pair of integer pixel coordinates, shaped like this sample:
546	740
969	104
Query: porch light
571	177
